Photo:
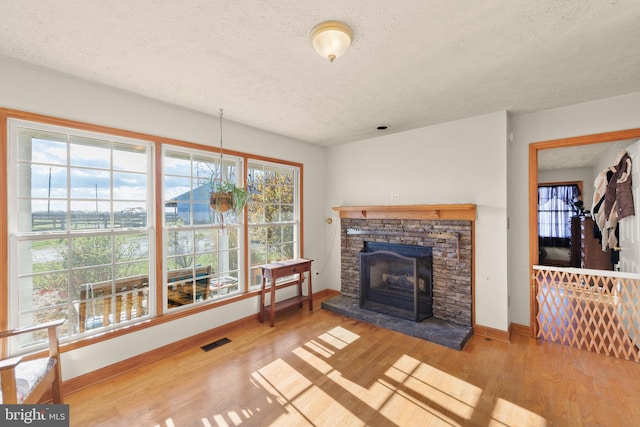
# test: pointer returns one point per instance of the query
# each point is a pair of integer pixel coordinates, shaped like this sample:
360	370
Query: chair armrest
10	363
51	324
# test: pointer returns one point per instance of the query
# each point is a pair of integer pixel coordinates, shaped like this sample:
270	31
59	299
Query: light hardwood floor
323	369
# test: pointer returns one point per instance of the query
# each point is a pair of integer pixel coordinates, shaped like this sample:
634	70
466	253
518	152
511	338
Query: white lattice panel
589	309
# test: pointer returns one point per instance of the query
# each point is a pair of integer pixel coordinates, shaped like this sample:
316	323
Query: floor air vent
215	344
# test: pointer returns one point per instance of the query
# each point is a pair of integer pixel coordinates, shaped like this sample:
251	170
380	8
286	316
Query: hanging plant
226	195
220	202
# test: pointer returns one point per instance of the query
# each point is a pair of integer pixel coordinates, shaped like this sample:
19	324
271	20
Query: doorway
566	304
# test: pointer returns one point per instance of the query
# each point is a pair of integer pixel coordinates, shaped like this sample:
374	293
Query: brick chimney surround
447	229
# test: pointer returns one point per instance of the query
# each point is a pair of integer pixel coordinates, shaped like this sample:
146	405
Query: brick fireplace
447	229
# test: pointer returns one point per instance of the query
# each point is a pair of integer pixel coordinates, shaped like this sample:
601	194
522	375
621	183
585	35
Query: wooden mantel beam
463	212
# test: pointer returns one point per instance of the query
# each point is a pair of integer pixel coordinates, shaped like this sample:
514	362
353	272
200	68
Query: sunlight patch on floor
320	349
429	392
313	360
509	414
302	401
408	409
339	337
410	392
443	390
283	381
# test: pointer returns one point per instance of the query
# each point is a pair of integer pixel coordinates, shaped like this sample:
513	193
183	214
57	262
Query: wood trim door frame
533	197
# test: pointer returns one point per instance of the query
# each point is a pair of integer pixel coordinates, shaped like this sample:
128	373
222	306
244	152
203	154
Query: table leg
262	290
272	313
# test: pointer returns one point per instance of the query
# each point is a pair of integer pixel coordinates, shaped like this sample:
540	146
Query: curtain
555	209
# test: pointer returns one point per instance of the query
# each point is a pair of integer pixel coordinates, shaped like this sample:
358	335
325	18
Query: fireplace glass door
396	285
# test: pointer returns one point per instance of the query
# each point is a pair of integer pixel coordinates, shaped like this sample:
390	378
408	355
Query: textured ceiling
581	156
573	157
413	63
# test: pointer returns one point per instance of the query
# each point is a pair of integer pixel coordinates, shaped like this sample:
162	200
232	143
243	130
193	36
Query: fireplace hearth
448	231
396	279
438	331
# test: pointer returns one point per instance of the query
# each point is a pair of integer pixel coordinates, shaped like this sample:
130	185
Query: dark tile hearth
431	329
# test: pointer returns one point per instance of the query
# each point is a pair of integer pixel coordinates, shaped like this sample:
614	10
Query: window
556	206
273	215
203	259
79	227
81	213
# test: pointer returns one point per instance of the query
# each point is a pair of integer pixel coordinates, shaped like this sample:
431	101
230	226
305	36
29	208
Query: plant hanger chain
221	112
222	178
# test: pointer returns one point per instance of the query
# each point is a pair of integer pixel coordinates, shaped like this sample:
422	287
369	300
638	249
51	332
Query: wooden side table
273	272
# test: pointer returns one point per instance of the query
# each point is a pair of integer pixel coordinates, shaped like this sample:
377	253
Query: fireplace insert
396	279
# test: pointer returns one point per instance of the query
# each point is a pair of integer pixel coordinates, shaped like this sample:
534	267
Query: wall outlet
395	197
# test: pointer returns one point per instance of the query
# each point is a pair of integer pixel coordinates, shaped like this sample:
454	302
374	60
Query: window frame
222	224
295	221
157	213
561	241
71	234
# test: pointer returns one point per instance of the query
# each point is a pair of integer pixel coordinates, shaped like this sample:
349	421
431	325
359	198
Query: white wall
458	162
606	115
36	90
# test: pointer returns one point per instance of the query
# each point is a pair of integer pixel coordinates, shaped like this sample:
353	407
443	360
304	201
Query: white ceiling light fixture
331	39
